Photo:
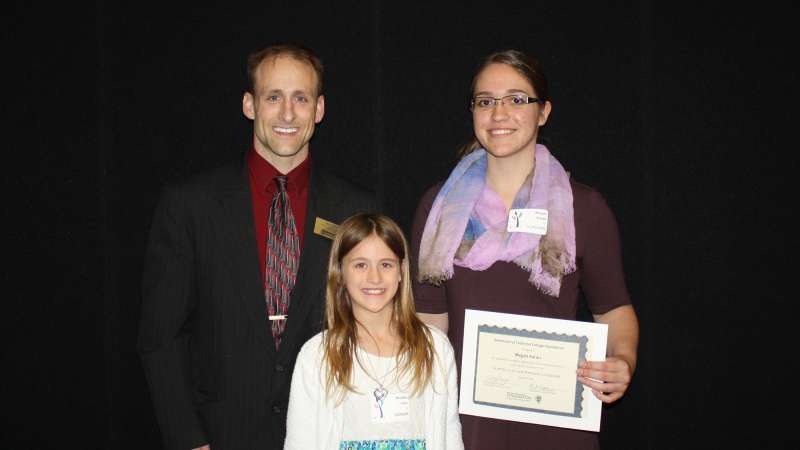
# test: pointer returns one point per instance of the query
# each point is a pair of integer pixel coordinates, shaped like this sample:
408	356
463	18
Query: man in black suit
218	365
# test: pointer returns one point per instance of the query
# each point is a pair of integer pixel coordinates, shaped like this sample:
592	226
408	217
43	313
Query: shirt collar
263	173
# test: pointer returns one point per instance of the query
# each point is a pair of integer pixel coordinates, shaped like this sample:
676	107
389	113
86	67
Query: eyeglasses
516	100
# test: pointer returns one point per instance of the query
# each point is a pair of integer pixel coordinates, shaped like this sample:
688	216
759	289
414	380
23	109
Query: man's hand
205	447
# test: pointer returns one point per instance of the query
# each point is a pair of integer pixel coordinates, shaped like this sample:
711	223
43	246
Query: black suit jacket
204	339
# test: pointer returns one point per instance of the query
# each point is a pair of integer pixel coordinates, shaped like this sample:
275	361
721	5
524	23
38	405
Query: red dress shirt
263	187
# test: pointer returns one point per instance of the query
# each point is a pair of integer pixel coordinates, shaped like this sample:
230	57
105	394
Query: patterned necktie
283	253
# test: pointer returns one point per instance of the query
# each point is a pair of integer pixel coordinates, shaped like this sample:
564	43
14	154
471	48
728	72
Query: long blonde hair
415	354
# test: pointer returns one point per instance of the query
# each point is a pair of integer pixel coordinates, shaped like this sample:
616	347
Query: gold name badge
325	228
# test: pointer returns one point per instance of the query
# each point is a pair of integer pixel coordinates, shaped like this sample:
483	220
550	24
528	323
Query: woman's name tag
528	220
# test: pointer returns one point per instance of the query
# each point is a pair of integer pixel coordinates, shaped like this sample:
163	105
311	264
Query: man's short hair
297	52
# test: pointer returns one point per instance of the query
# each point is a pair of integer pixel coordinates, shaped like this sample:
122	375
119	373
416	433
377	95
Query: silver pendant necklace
380	392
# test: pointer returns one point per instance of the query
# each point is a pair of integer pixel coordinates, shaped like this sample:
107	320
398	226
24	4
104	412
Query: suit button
276	409
280	368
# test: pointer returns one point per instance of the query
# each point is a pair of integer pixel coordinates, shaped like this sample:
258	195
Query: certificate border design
597	334
582	342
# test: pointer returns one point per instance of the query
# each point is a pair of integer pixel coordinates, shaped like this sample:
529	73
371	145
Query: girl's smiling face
371	273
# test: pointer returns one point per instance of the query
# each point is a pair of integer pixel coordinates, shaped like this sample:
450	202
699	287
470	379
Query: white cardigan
315	422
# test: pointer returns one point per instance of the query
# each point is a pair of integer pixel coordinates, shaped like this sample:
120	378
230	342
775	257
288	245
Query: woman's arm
603	282
439	321
614	374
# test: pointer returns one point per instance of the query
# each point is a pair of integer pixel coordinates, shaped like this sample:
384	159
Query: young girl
377	377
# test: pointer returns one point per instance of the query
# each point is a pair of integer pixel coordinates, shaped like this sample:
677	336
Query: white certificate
522	368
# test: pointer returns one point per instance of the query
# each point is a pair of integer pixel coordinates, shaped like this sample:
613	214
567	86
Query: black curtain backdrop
678	114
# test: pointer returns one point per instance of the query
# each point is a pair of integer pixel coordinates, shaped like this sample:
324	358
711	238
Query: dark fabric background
683	116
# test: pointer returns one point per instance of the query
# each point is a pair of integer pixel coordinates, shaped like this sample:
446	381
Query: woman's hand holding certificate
523	368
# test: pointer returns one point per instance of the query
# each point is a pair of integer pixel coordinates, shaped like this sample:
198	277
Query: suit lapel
309	285
239	236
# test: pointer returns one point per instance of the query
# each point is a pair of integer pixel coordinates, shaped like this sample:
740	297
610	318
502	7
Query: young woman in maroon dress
467	258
